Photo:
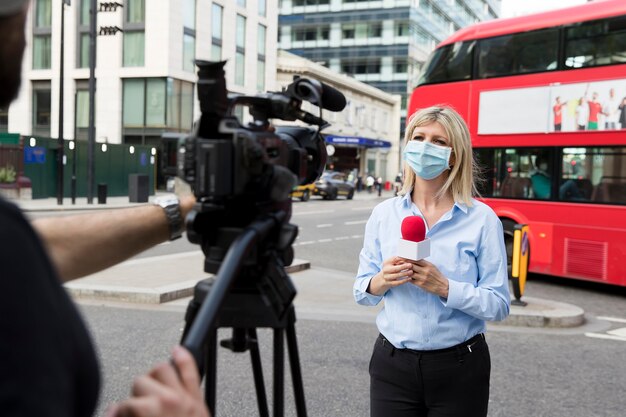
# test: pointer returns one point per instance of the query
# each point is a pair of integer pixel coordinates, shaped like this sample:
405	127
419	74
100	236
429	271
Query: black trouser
451	382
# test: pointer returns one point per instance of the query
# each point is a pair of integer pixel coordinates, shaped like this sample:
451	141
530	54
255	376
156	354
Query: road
577	372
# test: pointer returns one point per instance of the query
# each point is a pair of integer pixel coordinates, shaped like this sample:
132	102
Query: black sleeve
43	341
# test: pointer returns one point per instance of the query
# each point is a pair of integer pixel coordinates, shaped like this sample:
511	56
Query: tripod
250	290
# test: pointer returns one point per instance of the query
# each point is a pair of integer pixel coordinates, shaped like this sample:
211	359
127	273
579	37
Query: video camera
242	177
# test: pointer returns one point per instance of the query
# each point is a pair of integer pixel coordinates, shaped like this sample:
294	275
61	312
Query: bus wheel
509	228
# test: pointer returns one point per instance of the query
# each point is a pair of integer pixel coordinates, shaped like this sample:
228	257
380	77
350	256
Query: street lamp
60	140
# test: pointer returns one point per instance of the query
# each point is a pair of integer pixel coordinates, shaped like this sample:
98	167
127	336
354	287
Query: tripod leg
257	370
294	361
279	373
210	382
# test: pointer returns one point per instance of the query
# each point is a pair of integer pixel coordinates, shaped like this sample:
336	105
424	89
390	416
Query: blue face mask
427	160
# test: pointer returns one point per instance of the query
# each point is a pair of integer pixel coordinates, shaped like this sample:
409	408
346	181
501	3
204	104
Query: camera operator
48	365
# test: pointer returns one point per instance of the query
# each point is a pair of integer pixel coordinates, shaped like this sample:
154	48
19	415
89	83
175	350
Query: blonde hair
461	179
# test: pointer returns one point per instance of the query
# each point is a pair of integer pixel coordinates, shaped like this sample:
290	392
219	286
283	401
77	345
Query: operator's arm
80	245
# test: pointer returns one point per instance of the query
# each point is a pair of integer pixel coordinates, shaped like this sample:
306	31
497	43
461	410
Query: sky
521	7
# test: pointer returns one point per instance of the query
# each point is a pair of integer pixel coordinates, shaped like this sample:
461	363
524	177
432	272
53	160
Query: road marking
613	319
605	336
311	242
304	213
621	332
356	222
324	225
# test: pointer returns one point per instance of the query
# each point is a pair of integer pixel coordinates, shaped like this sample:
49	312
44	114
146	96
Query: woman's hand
396	271
429	278
164	392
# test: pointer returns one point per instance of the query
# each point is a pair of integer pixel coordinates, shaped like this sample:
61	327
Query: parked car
333	184
303	192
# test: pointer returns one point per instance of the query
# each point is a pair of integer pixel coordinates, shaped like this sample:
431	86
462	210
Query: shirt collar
406	202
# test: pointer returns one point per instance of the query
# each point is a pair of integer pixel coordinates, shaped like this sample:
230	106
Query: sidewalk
322	293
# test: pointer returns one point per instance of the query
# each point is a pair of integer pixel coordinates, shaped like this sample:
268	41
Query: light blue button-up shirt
467	246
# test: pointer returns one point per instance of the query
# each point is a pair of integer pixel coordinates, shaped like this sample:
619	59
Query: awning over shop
357	141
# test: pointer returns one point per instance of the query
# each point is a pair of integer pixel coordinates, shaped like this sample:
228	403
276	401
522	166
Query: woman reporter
431	357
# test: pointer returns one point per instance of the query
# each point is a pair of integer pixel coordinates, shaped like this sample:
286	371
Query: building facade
145	75
361	137
383	43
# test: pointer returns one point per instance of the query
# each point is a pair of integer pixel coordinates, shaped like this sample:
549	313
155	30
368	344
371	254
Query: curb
156	295
544	313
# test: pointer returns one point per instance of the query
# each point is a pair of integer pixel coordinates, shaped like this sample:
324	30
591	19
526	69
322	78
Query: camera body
225	161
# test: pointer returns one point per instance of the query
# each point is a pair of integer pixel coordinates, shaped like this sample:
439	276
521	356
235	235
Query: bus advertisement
544	97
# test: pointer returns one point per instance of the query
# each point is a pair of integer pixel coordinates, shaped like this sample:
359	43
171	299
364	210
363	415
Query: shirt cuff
362	296
455	295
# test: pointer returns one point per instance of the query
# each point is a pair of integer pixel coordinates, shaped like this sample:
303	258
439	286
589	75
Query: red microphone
414	245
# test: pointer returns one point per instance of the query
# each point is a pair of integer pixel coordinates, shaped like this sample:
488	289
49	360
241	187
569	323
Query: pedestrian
379	185
431	356
359	183
397	183
369	182
49	366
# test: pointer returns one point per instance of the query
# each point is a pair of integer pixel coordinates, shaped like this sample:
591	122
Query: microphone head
413	229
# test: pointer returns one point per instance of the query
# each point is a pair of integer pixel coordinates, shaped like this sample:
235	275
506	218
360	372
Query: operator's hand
162	393
396	271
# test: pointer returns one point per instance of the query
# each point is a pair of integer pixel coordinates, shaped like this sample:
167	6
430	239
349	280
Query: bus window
449	63
516	172
594	174
520	53
596	43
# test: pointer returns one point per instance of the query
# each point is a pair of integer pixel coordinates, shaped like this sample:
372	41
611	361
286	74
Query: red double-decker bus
544	96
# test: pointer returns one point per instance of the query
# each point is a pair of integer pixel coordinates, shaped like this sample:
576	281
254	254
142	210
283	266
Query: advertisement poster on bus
556	108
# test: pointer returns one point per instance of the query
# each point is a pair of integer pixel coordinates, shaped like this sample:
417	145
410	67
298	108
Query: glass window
596	43
240	69
449	63
43	14
375	30
42	52
216	52
400	65
216	21
520	53
4	119
82	109
155	102
348	31
84	12
241	3
186	105
524	173
83	54
189	52
262	7
593	174
260	75
134	49
241	32
41	111
134	99
261	40
135	11
402	28
173	103
190	14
